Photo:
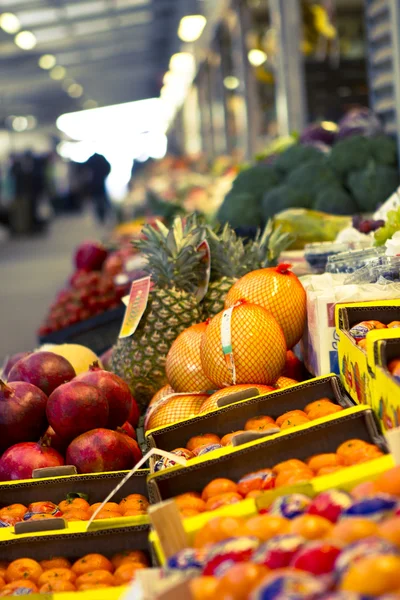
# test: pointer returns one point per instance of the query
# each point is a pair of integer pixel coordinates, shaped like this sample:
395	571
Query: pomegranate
114	390
128	430
76	407
22	413
46	370
134	446
20	460
134	415
100	450
53	440
90	256
11	361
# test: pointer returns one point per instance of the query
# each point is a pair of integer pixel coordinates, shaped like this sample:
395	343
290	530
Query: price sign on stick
136	306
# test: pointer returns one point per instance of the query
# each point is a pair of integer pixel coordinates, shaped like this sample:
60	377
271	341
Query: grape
387	231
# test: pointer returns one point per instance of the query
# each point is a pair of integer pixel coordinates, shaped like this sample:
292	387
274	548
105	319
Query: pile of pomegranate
91	289
50	417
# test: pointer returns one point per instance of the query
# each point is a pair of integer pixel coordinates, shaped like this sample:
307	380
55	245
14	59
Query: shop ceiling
117	50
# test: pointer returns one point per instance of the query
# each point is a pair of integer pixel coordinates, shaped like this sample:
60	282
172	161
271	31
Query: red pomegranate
294	368
134	415
22	413
55	441
128	430
90	256
11	361
20	460
134	446
76	407
114	390
46	370
100	450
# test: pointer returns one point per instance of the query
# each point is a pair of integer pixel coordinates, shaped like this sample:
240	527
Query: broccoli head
383	150
350	154
373	185
295	156
256	180
282	197
312	176
240	209
334	200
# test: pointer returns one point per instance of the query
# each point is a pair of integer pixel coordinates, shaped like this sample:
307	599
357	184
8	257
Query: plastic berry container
353	260
317	254
381	270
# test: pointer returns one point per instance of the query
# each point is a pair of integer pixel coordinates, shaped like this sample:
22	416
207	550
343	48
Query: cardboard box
233	463
355	367
386	389
232	417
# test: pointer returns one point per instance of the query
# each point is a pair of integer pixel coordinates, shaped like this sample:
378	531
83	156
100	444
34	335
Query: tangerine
238	582
126	572
361	455
2	582
373	575
77	514
352	530
324	410
188	512
203	588
227	439
254	494
294	422
108	514
74	503
57	562
289	414
92	586
388	482
14	510
350	447
217	530
111	506
97	576
390	530
259	423
265	526
219	486
223	500
58	573
91	562
23	568
190	501
132	512
311	527
203	439
329	470
137	556
135	504
292	464
317	404
318	461
13	586
293	477
57	585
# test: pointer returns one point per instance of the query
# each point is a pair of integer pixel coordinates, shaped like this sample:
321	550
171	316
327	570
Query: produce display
336	545
58	574
359	332
223	492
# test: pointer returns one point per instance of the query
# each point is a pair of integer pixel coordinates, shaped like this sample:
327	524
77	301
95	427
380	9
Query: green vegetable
295	156
240	209
256	180
283	197
383	150
350	154
335	201
373	185
391	226
312	176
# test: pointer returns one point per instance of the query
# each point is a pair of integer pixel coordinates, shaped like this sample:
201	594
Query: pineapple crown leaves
227	252
173	260
265	249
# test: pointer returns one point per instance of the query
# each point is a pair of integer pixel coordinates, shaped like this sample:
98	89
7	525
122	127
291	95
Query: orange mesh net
284	382
176	408
183	366
212	401
258	346
166	390
280	292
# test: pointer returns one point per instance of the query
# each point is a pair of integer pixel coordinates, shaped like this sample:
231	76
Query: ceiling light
191	27
19	124
58	73
75	90
88	104
47	61
257	57
9	23
231	82
182	62
26	40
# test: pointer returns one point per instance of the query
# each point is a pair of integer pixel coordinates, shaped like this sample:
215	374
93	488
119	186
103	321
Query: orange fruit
74	503
57	562
219	486
373	575
92	586
107	514
217	530
288	415
317	404
11	587
91	562
97	576
352	530
135	504
212	401
203	439
293	477
254	494
264	479
136	556
324	410
238	581
58	573
285	382
203	588
131	498
3	568
134	512
166	390
292	464
389	482
77	514
281	293
111	506
294	421
41	517
260	423
126	572
227	439
349	447
329	470
265	526
260	355
361	455
390	530
176	408
57	585
23	568
190	501
2	582
15	510
311	527
186	513
223	500
330	459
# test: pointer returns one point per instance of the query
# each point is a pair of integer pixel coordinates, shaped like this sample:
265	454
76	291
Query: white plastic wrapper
320	340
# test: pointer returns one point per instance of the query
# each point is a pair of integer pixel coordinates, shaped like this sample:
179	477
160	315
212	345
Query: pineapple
176	268
231	258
